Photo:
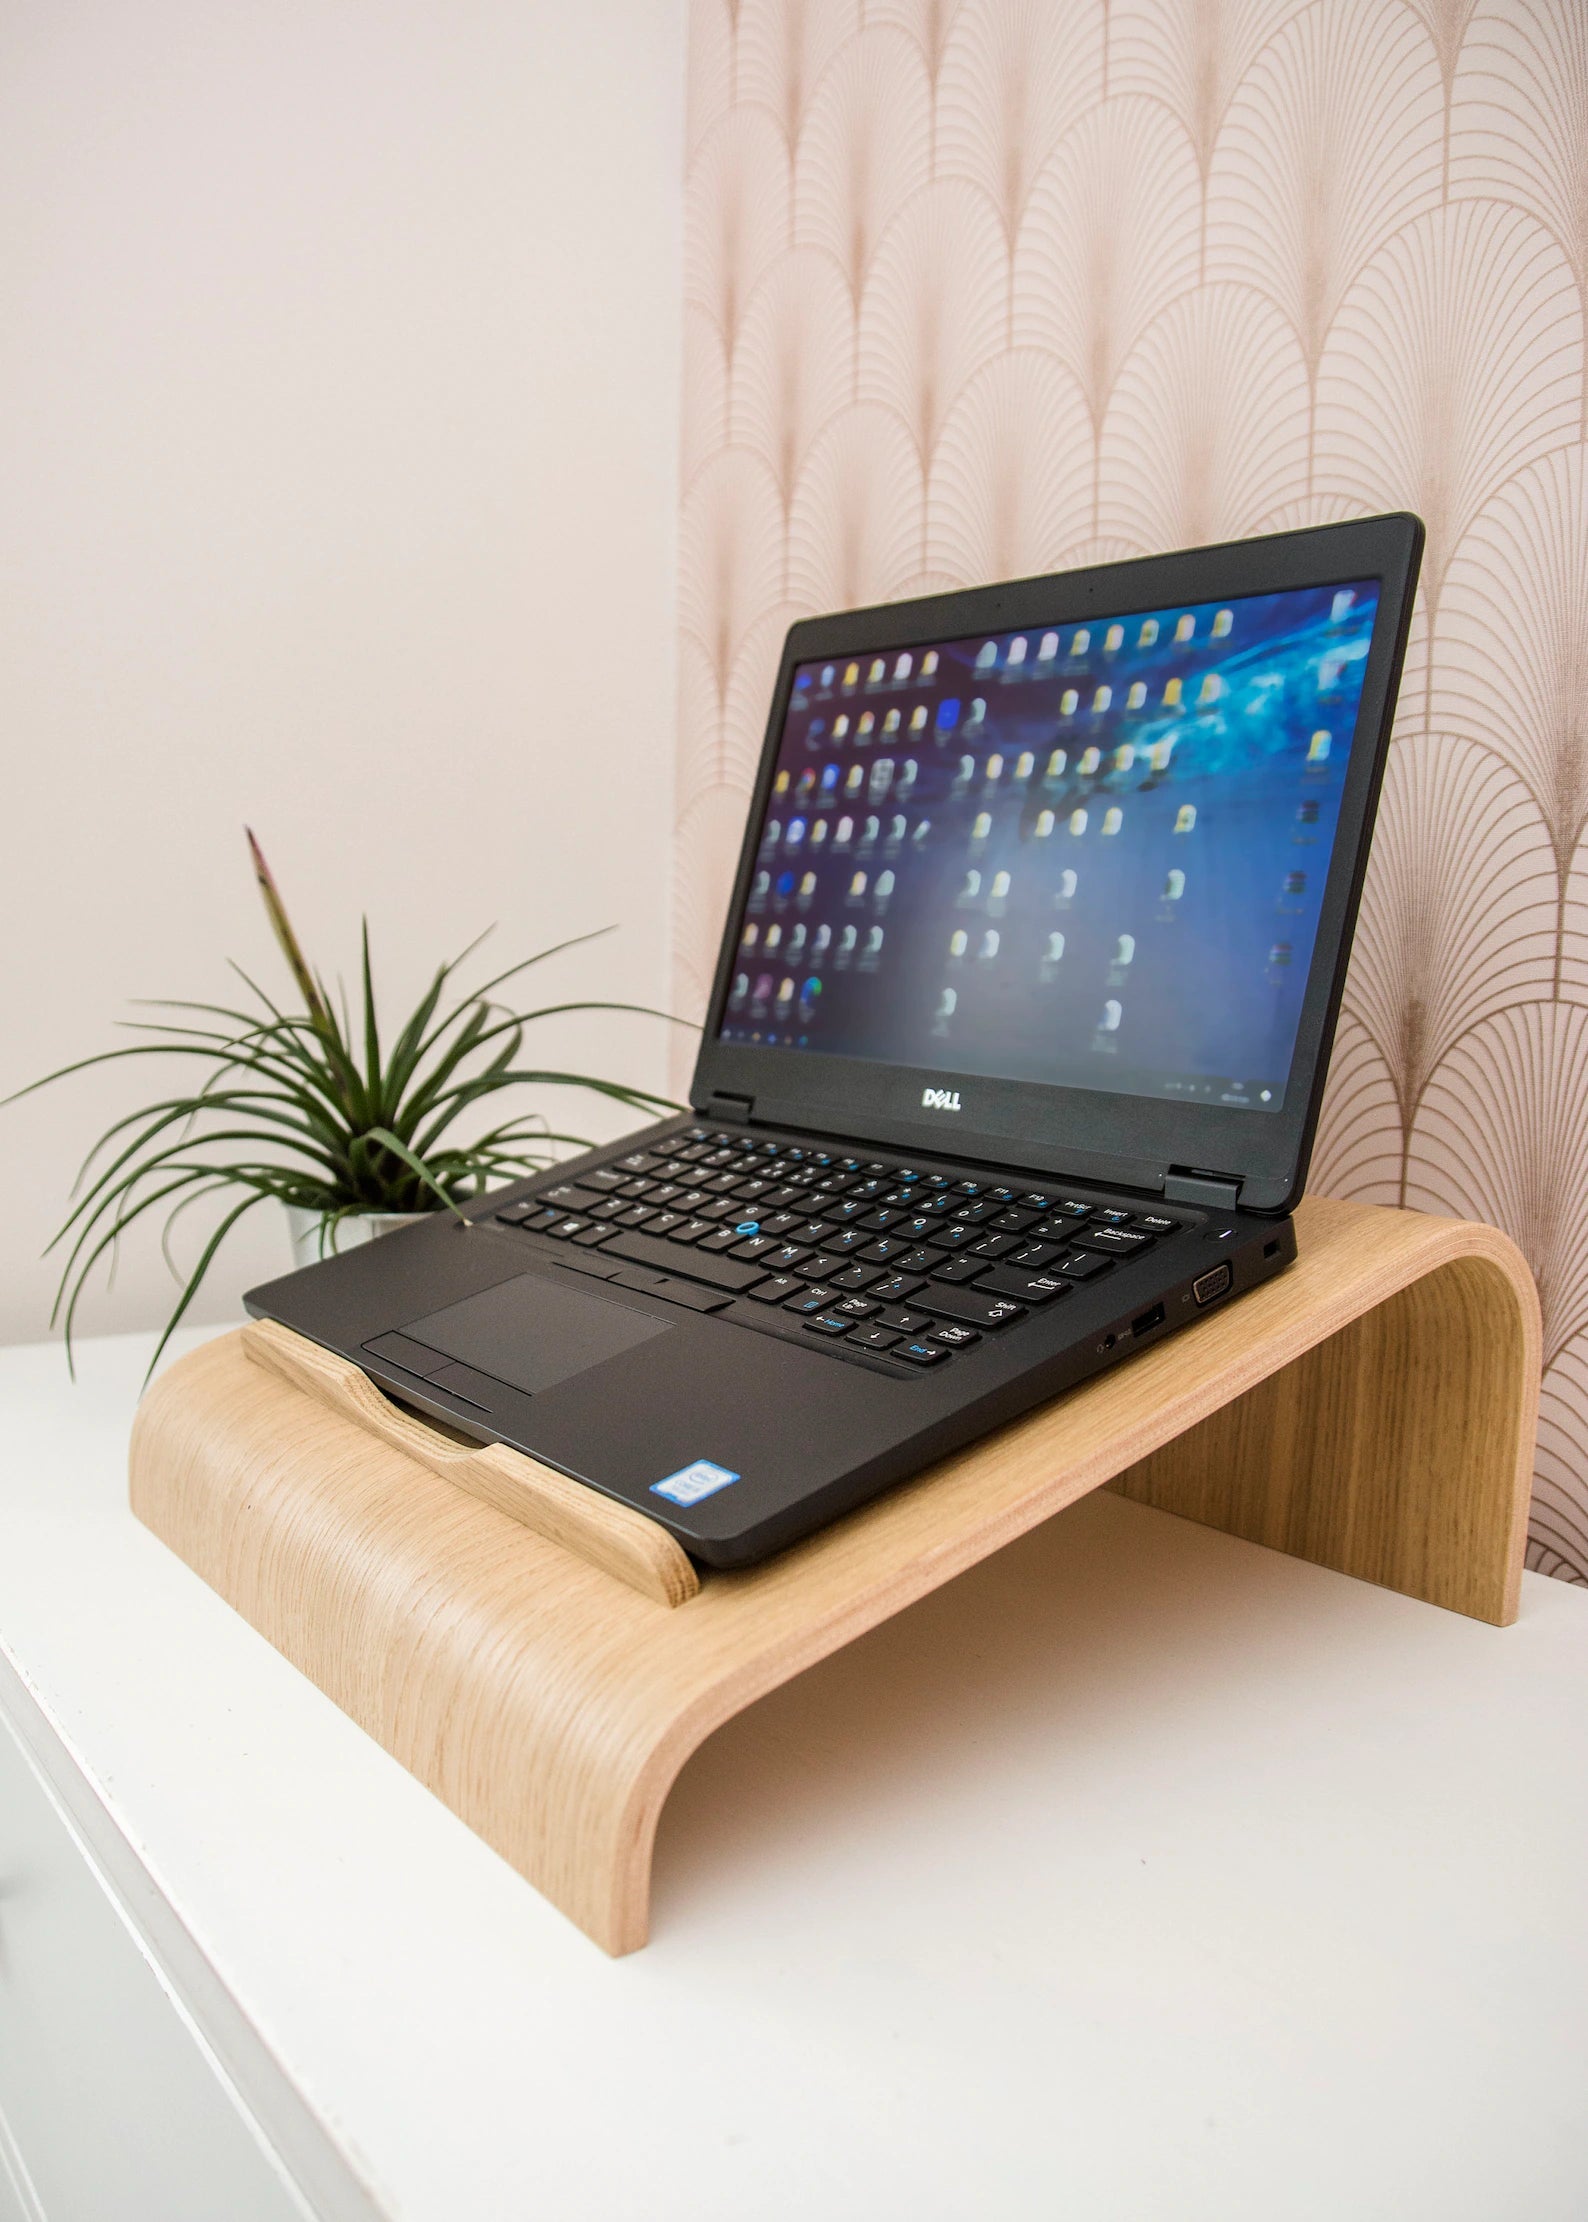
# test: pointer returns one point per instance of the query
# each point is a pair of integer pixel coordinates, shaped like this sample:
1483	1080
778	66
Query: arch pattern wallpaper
977	288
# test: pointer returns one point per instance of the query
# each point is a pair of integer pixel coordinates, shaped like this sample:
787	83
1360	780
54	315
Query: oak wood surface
615	1537
1373	1409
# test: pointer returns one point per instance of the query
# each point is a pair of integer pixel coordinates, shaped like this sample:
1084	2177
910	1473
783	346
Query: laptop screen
1091	855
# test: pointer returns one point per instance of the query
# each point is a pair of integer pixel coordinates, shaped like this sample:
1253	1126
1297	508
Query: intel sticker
691	1483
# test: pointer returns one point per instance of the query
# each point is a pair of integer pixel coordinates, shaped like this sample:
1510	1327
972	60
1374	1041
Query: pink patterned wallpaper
985	287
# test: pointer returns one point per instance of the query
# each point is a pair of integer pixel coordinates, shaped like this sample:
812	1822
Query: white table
1140	1873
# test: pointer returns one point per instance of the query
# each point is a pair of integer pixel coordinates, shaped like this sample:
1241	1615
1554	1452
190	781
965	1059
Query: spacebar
674	1257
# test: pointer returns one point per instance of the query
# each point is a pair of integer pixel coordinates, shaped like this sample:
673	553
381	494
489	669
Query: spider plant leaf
158	1118
555	949
195	1278
416	1165
73	1283
372	1066
281	926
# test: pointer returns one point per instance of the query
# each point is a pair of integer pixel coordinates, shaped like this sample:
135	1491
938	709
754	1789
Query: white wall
338	407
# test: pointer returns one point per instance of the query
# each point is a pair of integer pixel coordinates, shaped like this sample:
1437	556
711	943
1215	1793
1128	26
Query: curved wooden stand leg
1399	1451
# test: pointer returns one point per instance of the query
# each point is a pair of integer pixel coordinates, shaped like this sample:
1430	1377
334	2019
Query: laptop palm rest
532	1335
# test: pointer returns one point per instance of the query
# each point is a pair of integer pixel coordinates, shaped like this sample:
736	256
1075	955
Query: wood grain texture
1377	1402
614	1537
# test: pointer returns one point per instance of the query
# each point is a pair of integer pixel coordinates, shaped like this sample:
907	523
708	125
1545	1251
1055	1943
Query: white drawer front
112	2107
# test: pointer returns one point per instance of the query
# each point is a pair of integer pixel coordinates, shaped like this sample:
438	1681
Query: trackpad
531	1335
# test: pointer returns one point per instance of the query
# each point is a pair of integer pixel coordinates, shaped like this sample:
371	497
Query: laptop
1012	1062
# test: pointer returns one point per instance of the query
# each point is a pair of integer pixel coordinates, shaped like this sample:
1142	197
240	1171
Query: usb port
1212	1284
1148	1321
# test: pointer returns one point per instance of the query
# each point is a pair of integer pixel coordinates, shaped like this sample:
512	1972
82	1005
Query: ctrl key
919	1353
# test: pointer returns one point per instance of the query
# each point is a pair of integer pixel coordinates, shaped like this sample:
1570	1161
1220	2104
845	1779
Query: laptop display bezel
1128	1140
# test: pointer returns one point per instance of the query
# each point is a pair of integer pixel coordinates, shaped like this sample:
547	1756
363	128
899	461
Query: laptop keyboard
872	1259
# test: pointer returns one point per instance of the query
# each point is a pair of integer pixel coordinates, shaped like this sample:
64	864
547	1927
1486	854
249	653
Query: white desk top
1140	1873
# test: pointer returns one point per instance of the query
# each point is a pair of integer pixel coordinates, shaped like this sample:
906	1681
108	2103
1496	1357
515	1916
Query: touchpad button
532	1335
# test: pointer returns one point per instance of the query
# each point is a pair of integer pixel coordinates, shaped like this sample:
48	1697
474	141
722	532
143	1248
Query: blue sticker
691	1483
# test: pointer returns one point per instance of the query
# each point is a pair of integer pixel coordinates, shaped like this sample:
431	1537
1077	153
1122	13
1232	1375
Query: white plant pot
314	1237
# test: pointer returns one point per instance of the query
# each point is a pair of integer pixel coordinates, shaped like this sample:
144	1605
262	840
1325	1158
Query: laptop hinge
1215	1191
737	1108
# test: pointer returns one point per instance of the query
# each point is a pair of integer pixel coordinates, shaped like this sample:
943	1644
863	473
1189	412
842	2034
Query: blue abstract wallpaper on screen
1090	854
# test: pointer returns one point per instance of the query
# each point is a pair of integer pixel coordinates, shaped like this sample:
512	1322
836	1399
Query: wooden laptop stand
546	1662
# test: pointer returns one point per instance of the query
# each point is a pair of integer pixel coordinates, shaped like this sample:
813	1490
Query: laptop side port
1148	1321
1212	1284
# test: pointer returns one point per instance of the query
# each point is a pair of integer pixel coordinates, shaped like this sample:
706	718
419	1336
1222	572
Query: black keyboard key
1112	1218
568	1196
885	1249
994	1246
786	1258
957	1237
606	1180
590	1236
1034	1255
720	1238
916	1228
903	1322
514	1215
1071	1207
972	1215
775	1289
828	1323
955	1337
959	1269
662	1222
1154	1222
898	1288
812	1300
1015	1222
780	1223
885	1217
1084	1266
857	1307
755	1246
667	1257
564	1229
871	1338
691	1231
971	1307
813	1230
820	1266
635	1215
918	1260
848	1240
643	1161
1024	1288
1035	1203
842	1213
855	1275
919	1353
1113	1242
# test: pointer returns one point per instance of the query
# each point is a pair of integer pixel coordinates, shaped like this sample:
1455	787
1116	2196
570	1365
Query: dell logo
940	1099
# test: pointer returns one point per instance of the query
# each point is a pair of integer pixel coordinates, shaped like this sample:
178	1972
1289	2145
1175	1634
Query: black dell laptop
1012	1062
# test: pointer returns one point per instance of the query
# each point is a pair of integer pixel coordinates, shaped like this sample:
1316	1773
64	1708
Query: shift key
968	1305
695	1265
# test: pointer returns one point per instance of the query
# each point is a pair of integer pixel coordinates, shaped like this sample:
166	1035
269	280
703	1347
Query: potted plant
298	1103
